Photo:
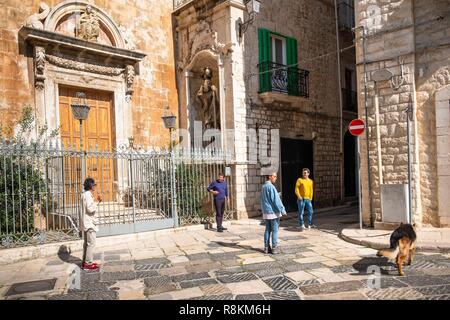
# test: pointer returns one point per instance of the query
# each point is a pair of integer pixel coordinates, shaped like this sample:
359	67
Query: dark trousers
220	208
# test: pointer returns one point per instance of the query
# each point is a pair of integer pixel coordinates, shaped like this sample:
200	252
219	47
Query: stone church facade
407	43
123	62
296	109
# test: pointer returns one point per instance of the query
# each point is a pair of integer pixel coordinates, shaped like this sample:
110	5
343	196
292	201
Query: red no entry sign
356	127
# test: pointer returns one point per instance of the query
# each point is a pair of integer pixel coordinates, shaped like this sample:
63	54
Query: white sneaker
303	227
309	227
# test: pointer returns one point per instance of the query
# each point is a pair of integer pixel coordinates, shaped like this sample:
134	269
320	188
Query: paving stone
281	295
111	276
31	286
299	276
294	249
438	297
304	283
117	263
269	272
197	283
351	295
228	296
249	297
287	238
55	263
115	252
293	266
152	261
388	283
186	293
214	289
113	257
331	287
146	274
280	283
434	290
419	281
190	276
69	296
198	256
230	263
261	266
238	277
229	271
158	281
95	286
146	267
103	295
343	269
394	294
248	287
117	268
90	277
169	287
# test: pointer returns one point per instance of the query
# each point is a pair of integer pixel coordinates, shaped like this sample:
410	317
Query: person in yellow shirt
304	192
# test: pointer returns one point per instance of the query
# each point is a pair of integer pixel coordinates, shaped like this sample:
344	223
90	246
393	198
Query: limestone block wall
408	34
148	25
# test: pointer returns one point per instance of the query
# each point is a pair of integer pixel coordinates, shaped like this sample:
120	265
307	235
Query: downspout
341	138
366	108
377	123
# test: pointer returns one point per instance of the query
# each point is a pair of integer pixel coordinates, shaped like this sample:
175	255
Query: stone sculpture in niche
88	28
208	98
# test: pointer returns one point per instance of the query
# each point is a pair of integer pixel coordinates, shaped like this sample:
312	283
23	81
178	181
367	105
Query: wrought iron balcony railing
349	100
346	13
179	3
280	78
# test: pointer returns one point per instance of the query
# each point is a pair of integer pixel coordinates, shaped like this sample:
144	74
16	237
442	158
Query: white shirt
88	209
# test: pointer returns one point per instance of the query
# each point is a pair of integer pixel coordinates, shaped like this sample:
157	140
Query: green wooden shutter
265	84
292	59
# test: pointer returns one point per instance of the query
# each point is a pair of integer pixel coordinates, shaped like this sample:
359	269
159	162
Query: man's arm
277	201
226	190
90	205
297	189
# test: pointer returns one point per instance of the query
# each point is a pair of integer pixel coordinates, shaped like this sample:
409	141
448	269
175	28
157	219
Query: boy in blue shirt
272	209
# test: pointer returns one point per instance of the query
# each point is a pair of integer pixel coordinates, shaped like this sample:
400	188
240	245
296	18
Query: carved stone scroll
39	68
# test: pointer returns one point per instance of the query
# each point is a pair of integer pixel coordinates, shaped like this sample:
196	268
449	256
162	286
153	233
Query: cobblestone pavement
204	264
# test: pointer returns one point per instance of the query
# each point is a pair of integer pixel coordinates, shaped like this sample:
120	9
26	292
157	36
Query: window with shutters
278	61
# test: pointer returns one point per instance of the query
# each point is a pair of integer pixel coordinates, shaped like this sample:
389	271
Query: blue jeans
271	228
301	209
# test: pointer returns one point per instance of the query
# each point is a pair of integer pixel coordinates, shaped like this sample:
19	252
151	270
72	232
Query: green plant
24	193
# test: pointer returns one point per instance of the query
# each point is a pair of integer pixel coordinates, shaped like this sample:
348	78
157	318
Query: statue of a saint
88	27
208	98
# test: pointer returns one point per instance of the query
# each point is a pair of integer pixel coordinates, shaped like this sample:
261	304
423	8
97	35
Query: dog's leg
412	252
402	255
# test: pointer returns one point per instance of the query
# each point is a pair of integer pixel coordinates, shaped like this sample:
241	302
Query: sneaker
223	228
267	250
303	227
90	266
219	230
275	250
312	226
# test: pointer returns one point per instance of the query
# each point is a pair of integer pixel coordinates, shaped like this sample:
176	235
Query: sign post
356	128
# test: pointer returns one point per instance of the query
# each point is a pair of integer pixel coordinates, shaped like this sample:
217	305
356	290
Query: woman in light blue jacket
272	209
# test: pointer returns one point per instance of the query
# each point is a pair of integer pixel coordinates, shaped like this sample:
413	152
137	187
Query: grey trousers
89	245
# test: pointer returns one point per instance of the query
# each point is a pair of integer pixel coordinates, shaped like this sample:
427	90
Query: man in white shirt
89	225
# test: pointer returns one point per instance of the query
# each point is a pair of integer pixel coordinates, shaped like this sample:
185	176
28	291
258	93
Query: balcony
346	15
349	100
287	81
177	4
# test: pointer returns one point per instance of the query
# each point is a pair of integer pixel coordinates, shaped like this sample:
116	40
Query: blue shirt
222	187
271	205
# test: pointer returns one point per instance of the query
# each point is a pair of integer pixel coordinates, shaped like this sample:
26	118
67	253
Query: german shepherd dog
403	246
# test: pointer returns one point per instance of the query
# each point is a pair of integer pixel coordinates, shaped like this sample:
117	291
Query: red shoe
90	266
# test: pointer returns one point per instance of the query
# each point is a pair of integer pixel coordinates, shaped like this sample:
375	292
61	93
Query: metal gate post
174	189
132	188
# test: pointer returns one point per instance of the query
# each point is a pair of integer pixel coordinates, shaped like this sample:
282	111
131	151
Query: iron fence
141	190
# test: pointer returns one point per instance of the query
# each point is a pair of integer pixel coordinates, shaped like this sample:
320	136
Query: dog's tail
388	253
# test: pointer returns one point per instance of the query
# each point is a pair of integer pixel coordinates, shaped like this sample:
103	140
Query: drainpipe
341	138
366	108
377	123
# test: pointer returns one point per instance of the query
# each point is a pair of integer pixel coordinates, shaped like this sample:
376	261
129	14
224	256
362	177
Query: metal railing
41	186
280	78
346	13
349	100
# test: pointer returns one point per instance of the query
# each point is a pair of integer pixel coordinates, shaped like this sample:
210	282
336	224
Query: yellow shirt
304	188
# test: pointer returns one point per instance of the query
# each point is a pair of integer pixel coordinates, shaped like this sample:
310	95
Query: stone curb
380	245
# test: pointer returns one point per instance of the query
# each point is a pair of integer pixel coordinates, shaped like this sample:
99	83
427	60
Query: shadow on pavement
235	245
371	265
64	253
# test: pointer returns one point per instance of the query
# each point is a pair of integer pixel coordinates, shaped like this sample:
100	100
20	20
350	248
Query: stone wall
148	25
410	34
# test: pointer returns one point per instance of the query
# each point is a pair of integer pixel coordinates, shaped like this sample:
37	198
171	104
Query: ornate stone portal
87	50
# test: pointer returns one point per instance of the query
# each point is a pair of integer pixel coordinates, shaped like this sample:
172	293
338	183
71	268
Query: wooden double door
98	133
